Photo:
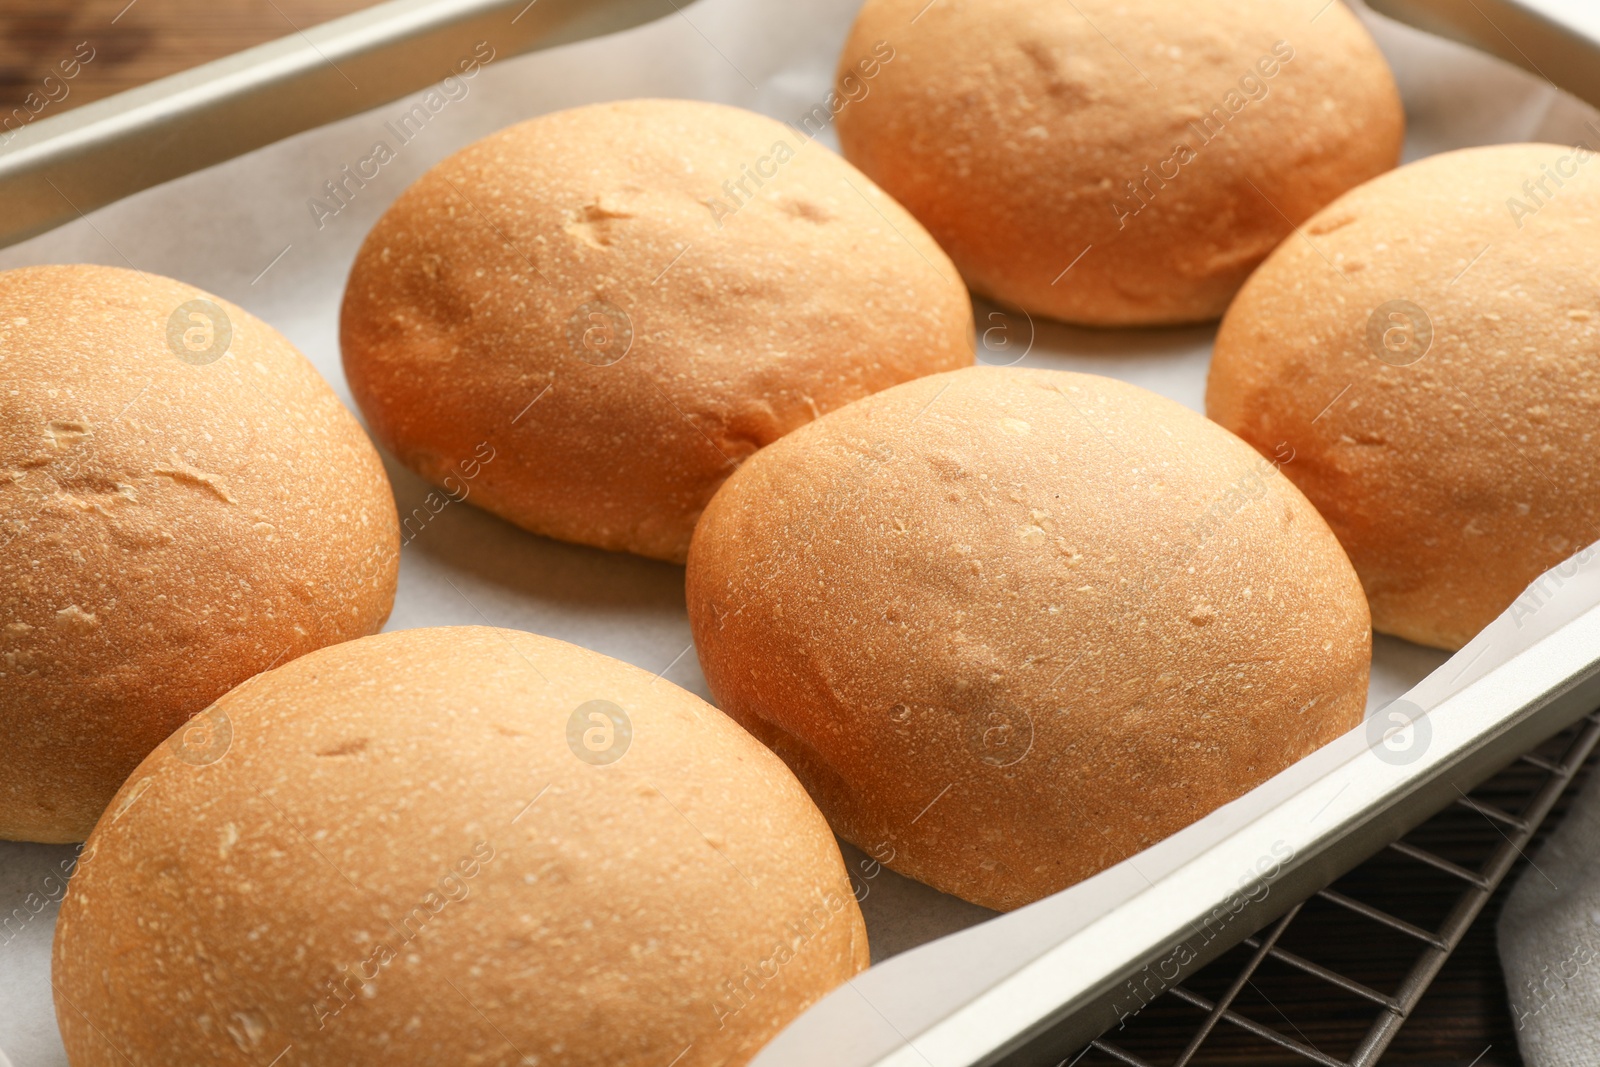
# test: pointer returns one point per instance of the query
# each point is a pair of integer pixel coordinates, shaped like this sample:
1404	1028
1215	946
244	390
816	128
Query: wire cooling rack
1424	890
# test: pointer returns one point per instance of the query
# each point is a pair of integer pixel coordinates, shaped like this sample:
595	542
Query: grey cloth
1549	937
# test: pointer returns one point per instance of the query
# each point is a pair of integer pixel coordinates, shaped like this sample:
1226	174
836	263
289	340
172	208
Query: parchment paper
244	230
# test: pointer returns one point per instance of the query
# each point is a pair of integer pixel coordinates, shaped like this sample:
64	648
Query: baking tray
62	166
1027	985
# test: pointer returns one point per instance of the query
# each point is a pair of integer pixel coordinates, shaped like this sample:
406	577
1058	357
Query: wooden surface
1463	1016
132	43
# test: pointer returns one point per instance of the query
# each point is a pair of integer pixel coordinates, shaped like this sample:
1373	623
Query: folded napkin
1549	938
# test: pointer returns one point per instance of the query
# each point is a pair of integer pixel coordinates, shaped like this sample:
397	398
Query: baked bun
462	845
1431	356
1012	626
183	503
1114	162
592	294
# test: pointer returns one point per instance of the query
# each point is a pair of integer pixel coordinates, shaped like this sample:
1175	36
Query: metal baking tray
1170	909
66	165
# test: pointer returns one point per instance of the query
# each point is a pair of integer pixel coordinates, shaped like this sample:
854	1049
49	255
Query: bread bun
1430	353
1114	162
462	845
628	299
1012	626
183	503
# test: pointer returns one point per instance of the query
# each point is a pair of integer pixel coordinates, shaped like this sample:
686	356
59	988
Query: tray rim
60	167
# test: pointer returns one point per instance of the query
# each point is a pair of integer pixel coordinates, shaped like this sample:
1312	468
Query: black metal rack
1426	889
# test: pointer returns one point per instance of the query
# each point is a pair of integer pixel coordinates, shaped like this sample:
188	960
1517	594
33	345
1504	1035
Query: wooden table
132	43
1465	1013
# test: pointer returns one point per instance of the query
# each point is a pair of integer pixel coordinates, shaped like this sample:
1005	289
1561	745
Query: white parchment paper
245	231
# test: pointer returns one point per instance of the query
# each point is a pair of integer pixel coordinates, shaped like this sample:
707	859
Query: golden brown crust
1012	129
1010	627
170	528
405	810
470	300
1455	480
